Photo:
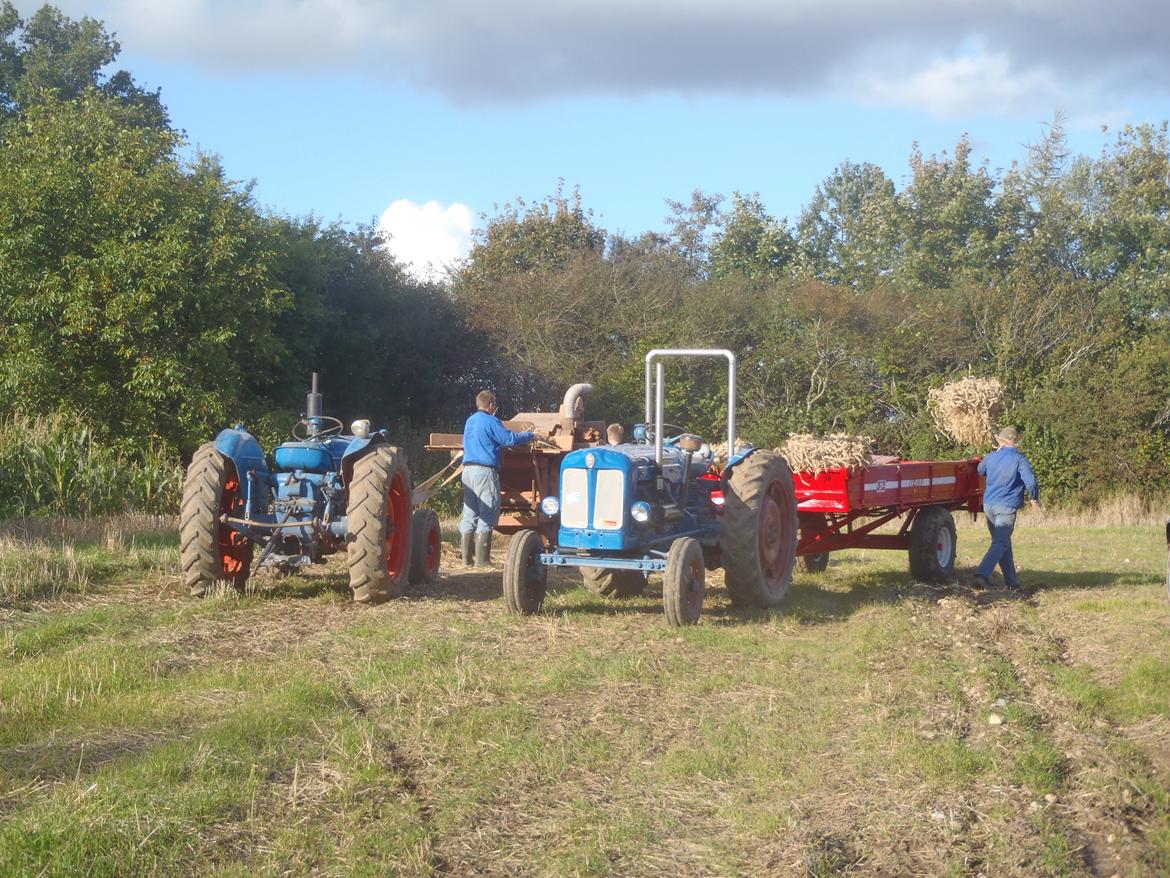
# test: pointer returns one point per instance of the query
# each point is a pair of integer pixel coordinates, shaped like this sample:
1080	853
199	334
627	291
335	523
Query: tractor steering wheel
333	428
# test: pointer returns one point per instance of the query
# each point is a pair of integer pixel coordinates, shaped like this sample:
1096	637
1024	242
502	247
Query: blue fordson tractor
659	505
322	493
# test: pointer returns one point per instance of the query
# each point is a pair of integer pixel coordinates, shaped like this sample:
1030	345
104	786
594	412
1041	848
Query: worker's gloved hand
1039	506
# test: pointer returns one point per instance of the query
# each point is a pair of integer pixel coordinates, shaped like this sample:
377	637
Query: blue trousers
1001	521
481	499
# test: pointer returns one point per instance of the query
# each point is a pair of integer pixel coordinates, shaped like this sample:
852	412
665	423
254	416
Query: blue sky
340	108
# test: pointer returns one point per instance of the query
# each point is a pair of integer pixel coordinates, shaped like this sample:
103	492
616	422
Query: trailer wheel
932	545
211	552
684	582
426	544
758	537
619	583
525	578
379	526
813	563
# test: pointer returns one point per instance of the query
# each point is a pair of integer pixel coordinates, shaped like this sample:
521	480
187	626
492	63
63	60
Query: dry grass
966	410
813	454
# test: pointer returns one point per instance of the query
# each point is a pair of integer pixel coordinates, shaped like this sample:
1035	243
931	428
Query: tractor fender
241	448
738	458
357	449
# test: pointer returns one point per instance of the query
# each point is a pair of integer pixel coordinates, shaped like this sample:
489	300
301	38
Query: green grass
847	733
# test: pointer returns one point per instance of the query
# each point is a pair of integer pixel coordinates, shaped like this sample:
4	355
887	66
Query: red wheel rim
234	547
775	535
433	551
397	536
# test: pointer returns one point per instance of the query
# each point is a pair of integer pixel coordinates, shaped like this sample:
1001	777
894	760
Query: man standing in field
1009	475
483	437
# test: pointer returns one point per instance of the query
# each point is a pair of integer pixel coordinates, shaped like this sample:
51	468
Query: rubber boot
465	543
483	549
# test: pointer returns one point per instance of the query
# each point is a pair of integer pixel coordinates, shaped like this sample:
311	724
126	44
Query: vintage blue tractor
660	505
321	493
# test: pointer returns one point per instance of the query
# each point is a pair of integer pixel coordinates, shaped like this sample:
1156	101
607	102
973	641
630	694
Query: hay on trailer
966	410
813	454
719	451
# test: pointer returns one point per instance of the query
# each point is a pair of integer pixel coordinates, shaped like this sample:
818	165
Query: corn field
55	466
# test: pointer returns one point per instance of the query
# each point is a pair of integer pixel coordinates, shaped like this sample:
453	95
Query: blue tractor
322	493
659	505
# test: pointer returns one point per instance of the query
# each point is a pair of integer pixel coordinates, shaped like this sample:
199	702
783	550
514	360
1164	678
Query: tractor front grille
575	498
609	499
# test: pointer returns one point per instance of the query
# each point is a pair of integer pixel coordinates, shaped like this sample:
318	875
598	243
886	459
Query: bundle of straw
966	410
812	454
719	451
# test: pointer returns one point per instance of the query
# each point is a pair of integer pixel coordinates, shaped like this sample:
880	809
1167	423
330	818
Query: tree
137	292
51	56
751	243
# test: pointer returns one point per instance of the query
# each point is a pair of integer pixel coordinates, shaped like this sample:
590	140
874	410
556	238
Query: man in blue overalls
1009	475
483	437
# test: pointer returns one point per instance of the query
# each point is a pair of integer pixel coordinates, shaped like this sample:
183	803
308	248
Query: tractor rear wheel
379	526
619	583
684	582
932	545
525	578
426	544
758	537
211	552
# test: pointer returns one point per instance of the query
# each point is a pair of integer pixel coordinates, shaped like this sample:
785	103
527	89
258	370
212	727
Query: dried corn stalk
812	454
966	410
719	451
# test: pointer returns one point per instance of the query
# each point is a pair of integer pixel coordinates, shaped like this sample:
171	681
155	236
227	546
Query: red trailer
842	508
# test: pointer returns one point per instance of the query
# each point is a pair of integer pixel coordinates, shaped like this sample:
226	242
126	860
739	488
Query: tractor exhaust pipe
314	403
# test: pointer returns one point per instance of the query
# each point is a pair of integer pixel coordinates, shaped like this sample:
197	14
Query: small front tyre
525	578
426	544
684	582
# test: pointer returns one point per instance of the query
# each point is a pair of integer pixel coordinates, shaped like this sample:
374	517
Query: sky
425	116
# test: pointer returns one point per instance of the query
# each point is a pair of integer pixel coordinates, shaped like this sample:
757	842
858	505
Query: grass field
870	727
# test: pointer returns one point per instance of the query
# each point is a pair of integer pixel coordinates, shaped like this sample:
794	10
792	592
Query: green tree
136	291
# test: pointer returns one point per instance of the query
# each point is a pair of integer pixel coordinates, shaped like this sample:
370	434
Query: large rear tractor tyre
426	545
379	526
684	583
932	545
525	578
618	583
758	537
210	552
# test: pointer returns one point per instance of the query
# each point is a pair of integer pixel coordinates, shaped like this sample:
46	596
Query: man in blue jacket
483	437
1009	475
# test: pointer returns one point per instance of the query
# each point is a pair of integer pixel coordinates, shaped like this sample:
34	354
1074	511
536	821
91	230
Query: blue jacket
484	436
1008	475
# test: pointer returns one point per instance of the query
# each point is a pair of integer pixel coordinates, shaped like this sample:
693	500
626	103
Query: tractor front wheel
211	552
758	536
684	582
619	583
379	526
426	543
525	578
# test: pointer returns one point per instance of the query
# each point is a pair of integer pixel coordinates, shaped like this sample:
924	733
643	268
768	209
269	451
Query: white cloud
983	83
427	238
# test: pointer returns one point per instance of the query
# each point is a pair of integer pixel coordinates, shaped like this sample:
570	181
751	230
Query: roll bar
656	393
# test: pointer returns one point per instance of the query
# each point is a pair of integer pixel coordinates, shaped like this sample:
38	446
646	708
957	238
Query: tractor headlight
640	512
550	506
360	429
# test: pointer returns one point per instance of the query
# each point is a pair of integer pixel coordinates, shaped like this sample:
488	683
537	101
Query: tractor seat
307	456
